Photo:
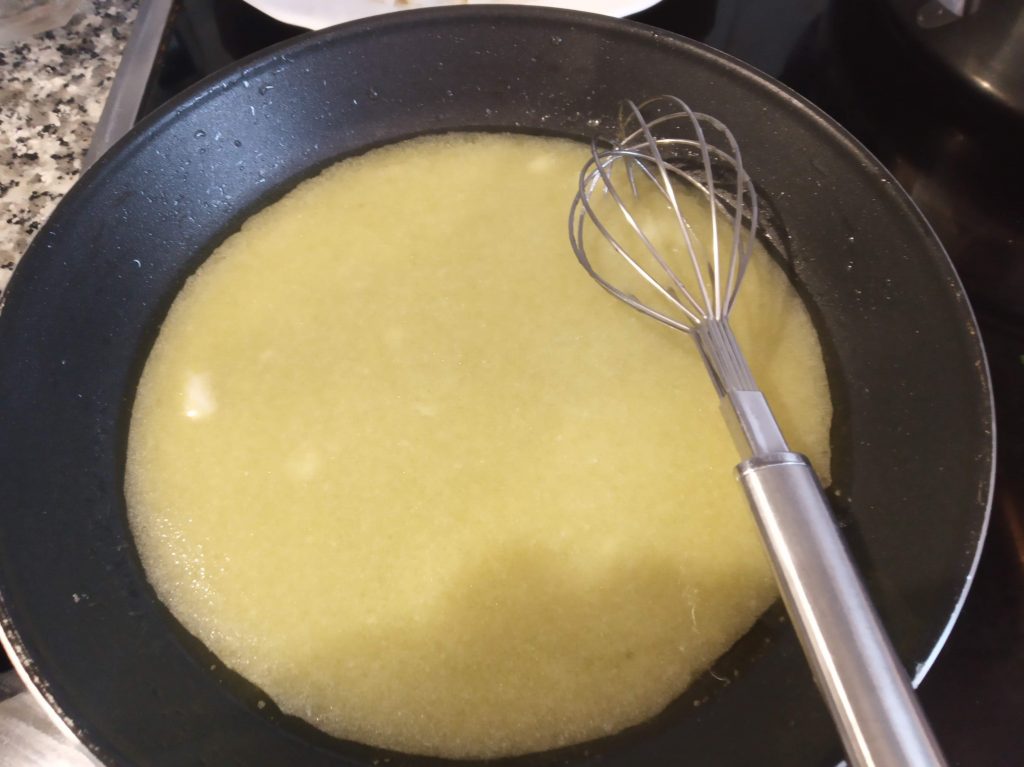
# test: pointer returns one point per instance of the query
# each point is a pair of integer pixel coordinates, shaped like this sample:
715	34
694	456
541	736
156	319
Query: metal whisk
667	150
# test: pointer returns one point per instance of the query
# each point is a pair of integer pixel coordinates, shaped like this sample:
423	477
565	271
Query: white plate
317	14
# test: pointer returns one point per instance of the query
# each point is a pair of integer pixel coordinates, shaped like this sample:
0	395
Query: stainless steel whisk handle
873	705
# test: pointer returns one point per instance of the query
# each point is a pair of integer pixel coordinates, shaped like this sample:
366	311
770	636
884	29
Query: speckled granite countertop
52	90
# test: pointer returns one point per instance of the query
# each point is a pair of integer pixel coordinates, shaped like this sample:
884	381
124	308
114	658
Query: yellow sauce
397	460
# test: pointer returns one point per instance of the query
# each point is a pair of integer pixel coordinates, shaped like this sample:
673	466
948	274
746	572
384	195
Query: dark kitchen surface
948	136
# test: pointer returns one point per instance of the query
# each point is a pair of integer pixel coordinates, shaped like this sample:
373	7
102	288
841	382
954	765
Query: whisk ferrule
751	422
752	425
722	356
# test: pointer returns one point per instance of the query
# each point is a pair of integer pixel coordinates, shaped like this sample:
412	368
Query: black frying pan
912	438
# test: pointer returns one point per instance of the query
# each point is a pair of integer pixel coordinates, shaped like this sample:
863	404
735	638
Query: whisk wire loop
600	170
636	163
671	149
654	154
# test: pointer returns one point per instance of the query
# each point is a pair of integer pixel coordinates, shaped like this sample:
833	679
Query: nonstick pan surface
912	436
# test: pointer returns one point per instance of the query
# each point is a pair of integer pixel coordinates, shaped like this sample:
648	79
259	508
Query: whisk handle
866	687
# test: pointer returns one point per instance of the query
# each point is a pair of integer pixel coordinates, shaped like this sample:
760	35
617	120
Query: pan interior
435	489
